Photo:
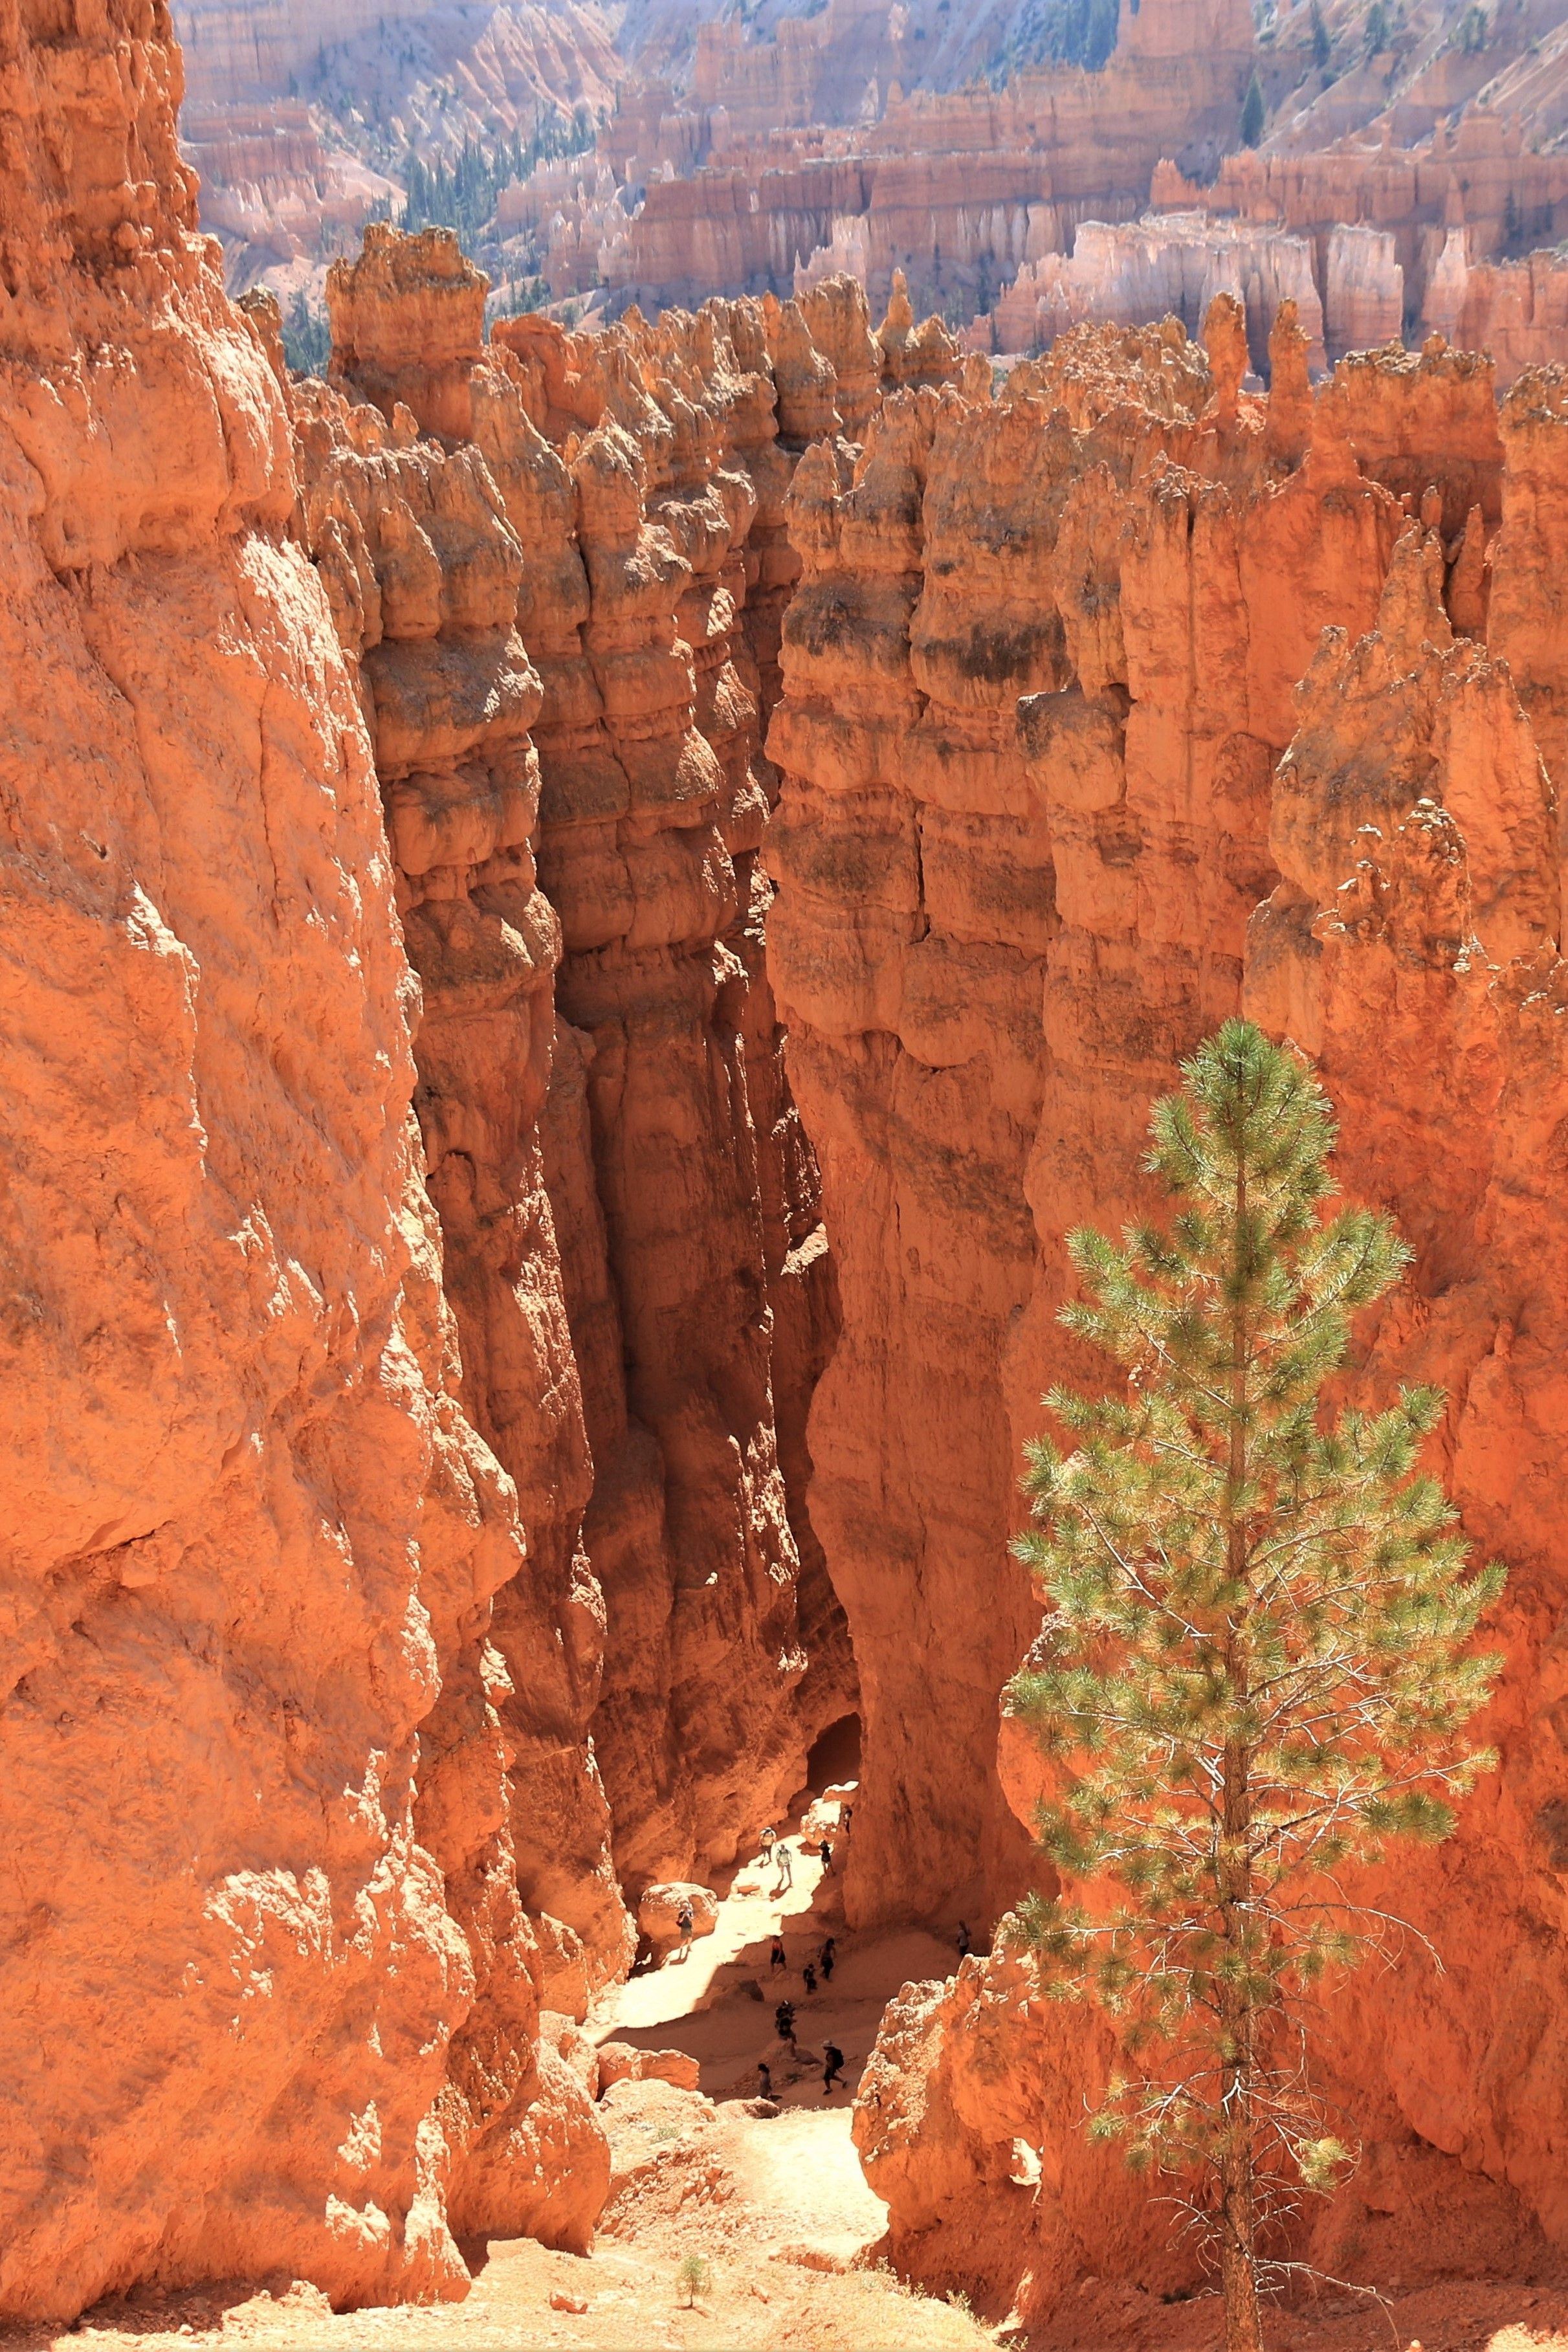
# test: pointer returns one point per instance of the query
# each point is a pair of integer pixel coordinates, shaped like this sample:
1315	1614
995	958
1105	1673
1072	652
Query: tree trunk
1237	2275
1237	2215
1237	2221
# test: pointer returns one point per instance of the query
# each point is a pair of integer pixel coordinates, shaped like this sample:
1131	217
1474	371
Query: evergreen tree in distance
1321	46
1255	1670
1252	114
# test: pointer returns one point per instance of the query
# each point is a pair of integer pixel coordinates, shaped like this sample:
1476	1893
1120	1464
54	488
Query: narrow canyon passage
584	914
770	2197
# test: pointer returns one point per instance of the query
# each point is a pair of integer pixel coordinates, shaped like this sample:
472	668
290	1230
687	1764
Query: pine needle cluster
1257	1665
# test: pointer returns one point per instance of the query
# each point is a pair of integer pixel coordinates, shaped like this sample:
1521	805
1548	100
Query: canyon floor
775	2204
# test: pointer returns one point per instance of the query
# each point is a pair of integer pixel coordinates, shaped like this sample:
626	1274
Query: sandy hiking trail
773	2203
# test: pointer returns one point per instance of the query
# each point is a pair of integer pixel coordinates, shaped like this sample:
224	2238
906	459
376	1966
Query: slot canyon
583	917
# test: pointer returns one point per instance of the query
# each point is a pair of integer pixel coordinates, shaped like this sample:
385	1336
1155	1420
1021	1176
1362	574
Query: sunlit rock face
250	1538
634	1248
510	852
1169	701
368	1539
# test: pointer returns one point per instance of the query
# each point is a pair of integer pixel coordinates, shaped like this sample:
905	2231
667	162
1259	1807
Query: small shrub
694	2274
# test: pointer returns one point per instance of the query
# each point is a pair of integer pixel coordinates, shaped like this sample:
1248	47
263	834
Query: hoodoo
584	912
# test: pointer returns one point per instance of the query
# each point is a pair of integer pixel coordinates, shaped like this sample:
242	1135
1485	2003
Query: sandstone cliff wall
341	1353
250	1713
671	1231
436	1467
993	941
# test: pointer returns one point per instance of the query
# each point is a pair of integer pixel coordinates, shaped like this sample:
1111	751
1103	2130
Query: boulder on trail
659	1911
620	2063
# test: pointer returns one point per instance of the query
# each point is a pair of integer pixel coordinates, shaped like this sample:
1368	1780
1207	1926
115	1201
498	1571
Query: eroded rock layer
438	1476
1169	701
381	1449
260	1889
666	1287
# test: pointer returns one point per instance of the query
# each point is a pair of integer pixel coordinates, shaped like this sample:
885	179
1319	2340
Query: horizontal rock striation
1283	677
423	572
1166	265
955	188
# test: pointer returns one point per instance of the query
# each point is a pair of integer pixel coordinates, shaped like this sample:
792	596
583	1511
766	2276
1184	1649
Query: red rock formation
1166	264
501	75
913	1011
385	1517
271	189
1368	861
425	570
695	1310
1517	311
957	187
653	783
1476	180
251	1540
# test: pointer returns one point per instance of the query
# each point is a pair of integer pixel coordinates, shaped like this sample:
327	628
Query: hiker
808	1978
769	1839
783	1857
827	1958
784	2021
776	1958
826	1851
685	1924
846	1815
832	2063
764	2079
966	1945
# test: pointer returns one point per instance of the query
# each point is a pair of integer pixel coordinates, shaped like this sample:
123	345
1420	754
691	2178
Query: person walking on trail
965	1942
832	2066
684	1923
827	1958
808	1978
785	1861
777	1959
764	2079
826	1851
784	2021
769	1839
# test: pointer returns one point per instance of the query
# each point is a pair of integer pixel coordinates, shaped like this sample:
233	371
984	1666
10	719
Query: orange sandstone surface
1168	701
248	1533
365	1545
510	850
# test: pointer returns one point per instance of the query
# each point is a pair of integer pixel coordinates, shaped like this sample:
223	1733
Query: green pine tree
1321	43
1252	114
1256	1668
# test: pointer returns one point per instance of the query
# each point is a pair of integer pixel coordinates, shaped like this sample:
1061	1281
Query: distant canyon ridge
1396	171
